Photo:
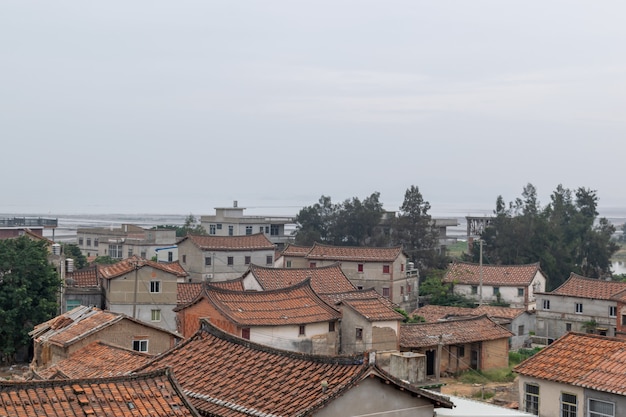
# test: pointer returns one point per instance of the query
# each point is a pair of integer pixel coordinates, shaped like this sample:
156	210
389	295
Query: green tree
71	250
439	293
105	260
29	285
315	223
191	227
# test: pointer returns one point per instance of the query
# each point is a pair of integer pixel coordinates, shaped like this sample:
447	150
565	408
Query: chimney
235	203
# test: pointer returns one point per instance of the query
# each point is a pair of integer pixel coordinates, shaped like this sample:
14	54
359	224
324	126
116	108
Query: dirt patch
493	392
13	372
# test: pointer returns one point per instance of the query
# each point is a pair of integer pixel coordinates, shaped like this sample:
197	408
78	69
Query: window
248	230
261	228
520	330
212	229
385	269
386	292
269	259
599	408
568	405
579	308
115	251
359	333
301	330
401	289
531	399
474	289
568	327
88	241
312	264
245	333
71	304
288	264
246	260
331	326
170	257
520	292
623	319
546	304
143	254
231	230
230	261
267	229
612	311
460	351
401	267
496	290
95	241
155	315
359	267
140	345
219	226
359	287
80	241
207	260
155	286
274	230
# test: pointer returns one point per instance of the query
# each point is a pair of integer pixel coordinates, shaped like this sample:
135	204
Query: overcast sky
182	106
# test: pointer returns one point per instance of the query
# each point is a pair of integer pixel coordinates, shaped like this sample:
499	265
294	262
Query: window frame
358	334
230	260
386	269
612	311
155	287
567	408
269	260
155	315
545	303
386	292
531	399
247	259
245	333
520	292
578	308
141	343
591	413
302	330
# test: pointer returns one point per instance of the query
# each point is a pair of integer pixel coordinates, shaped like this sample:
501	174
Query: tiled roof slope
97	359
434	312
373	309
502	275
582	360
579	286
84	278
154	394
212	365
257	241
499	312
336	298
128	265
186	292
231	284
461	331
353	253
294	305
328	279
295	251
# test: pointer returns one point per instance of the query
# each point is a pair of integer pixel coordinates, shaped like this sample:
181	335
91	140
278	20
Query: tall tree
71	250
415	231
29	285
191	227
315	223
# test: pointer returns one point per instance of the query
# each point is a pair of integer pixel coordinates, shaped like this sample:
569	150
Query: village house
220	258
56	339
518	321
384	269
457	345
230	221
293	256
223	375
515	285
155	394
580	304
82	287
292	318
126	241
577	375
142	289
324	280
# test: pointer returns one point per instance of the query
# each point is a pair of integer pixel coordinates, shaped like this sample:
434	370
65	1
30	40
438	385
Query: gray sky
182	106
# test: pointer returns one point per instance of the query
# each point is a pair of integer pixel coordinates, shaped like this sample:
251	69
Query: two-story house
143	289
580	304
220	258
126	241
230	221
512	284
292	256
383	269
577	375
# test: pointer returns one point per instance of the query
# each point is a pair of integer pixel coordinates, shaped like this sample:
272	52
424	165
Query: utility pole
438	358
135	292
480	263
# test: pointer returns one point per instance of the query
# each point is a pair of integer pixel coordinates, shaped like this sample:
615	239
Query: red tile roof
186	292
461	331
257	241
294	305
582	360
84	278
501	275
373	309
97	359
433	313
336	298
128	265
295	251
328	279
155	394
352	253
212	365
579	286
231	284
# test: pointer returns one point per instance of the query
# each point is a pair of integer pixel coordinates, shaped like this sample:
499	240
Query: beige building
220	258
142	289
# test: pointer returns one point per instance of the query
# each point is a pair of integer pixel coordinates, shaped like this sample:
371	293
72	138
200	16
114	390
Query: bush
482	377
517	357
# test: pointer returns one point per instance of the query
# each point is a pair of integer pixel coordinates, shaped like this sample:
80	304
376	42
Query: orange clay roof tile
469	330
186	292
579	286
328	279
352	253
295	251
336	298
130	264
502	275
256	241
373	309
583	360
433	313
84	278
